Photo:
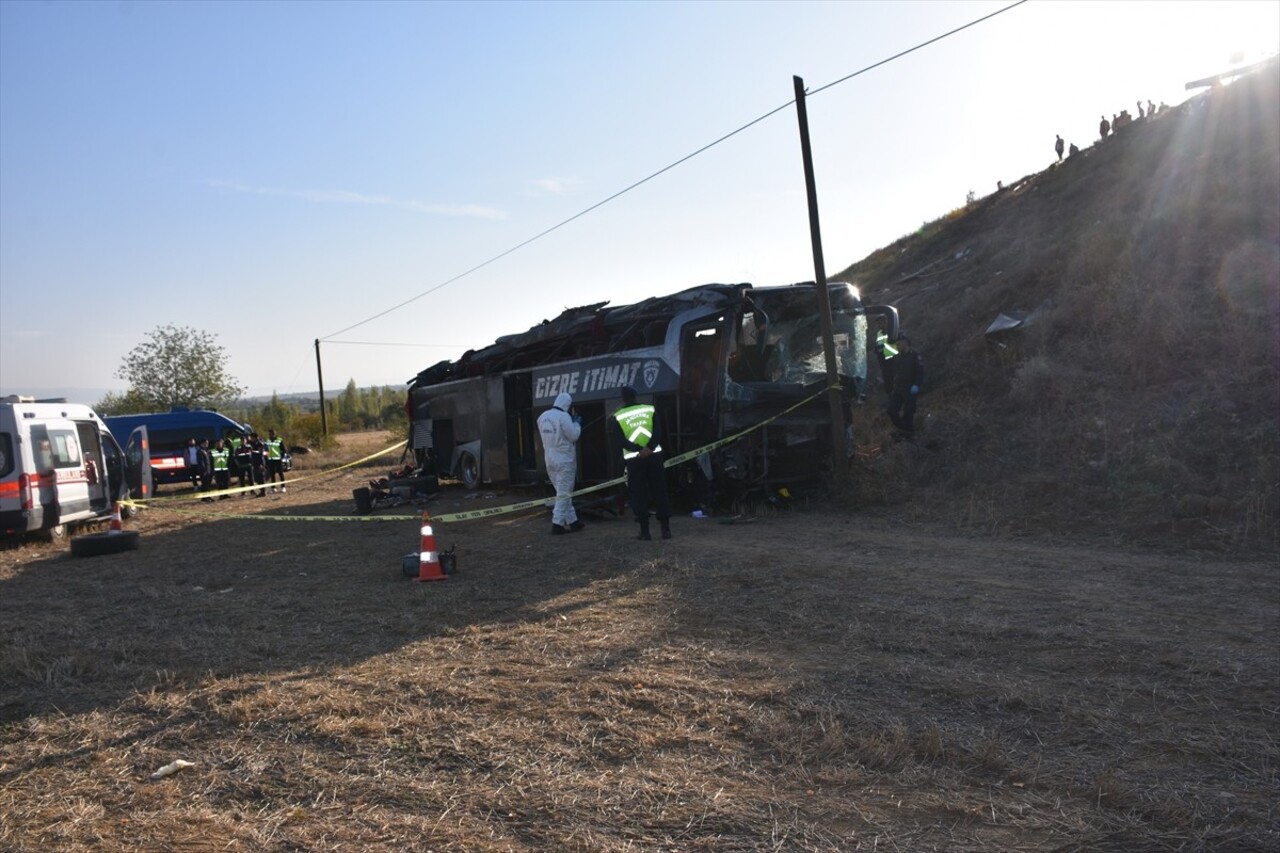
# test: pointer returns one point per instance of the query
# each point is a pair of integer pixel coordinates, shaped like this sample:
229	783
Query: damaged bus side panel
714	360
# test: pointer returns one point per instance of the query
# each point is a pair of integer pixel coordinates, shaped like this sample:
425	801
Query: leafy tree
298	421
274	415
177	366
349	403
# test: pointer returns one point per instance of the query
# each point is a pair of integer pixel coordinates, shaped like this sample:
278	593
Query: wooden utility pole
324	418
824	296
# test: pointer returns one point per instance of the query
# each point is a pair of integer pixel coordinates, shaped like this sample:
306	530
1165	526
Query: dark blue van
169	432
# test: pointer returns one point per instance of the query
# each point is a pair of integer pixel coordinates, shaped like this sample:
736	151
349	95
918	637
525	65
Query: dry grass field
811	680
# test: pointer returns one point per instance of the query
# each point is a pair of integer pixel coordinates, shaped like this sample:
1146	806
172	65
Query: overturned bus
714	360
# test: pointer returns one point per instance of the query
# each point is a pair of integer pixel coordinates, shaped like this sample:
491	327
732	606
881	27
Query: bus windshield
781	342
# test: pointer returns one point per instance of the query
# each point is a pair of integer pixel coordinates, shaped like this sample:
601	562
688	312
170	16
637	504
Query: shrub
308	430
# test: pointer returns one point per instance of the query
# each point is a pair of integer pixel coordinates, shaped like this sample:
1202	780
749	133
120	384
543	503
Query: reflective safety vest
882	343
220	458
637	425
275	448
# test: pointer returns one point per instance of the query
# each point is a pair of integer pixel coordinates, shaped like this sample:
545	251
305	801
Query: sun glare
1208	38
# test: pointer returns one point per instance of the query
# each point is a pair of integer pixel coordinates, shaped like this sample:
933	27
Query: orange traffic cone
428	557
116	526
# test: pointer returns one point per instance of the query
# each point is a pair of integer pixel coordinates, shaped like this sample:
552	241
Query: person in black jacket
908	380
204	462
258	454
192	456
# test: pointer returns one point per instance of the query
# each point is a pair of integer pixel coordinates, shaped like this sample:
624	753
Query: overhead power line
922	44
393	344
561	224
663	170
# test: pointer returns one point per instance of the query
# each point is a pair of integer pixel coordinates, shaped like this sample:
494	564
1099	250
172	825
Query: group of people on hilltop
1106	126
1124	119
254	461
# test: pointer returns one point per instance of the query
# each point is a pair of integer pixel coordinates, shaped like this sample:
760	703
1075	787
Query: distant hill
1140	399
86	396
304	401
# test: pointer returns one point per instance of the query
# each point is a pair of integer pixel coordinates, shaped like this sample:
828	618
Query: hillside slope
1140	400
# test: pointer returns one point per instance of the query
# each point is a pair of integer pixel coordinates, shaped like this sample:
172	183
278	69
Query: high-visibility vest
637	425
888	349
275	448
220	458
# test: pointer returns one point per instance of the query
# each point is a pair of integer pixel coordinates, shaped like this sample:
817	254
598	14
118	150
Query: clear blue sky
274	172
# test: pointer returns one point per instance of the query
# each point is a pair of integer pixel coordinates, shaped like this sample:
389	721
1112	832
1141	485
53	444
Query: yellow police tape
160	502
673	461
469	515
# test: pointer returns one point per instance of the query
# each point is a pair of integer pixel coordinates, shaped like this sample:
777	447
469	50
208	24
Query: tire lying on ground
97	544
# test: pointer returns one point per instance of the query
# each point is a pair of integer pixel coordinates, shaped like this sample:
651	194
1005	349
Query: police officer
885	351
221	456
242	454
258	457
642	449
908	380
275	460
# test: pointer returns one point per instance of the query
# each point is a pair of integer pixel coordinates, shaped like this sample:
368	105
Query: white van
60	466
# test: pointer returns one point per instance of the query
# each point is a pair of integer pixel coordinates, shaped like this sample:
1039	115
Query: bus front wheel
469	470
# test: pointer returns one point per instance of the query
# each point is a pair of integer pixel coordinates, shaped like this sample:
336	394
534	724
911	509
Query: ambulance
60	467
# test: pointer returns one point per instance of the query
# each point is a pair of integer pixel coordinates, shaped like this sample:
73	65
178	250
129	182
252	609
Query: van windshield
174	440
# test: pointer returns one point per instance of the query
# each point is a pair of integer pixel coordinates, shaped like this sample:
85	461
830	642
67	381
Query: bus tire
98	544
469	470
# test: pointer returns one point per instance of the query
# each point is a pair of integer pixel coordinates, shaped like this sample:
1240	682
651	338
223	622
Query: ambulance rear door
92	462
138	464
14	486
63	491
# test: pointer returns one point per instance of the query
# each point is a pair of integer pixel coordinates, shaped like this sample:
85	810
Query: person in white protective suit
560	429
